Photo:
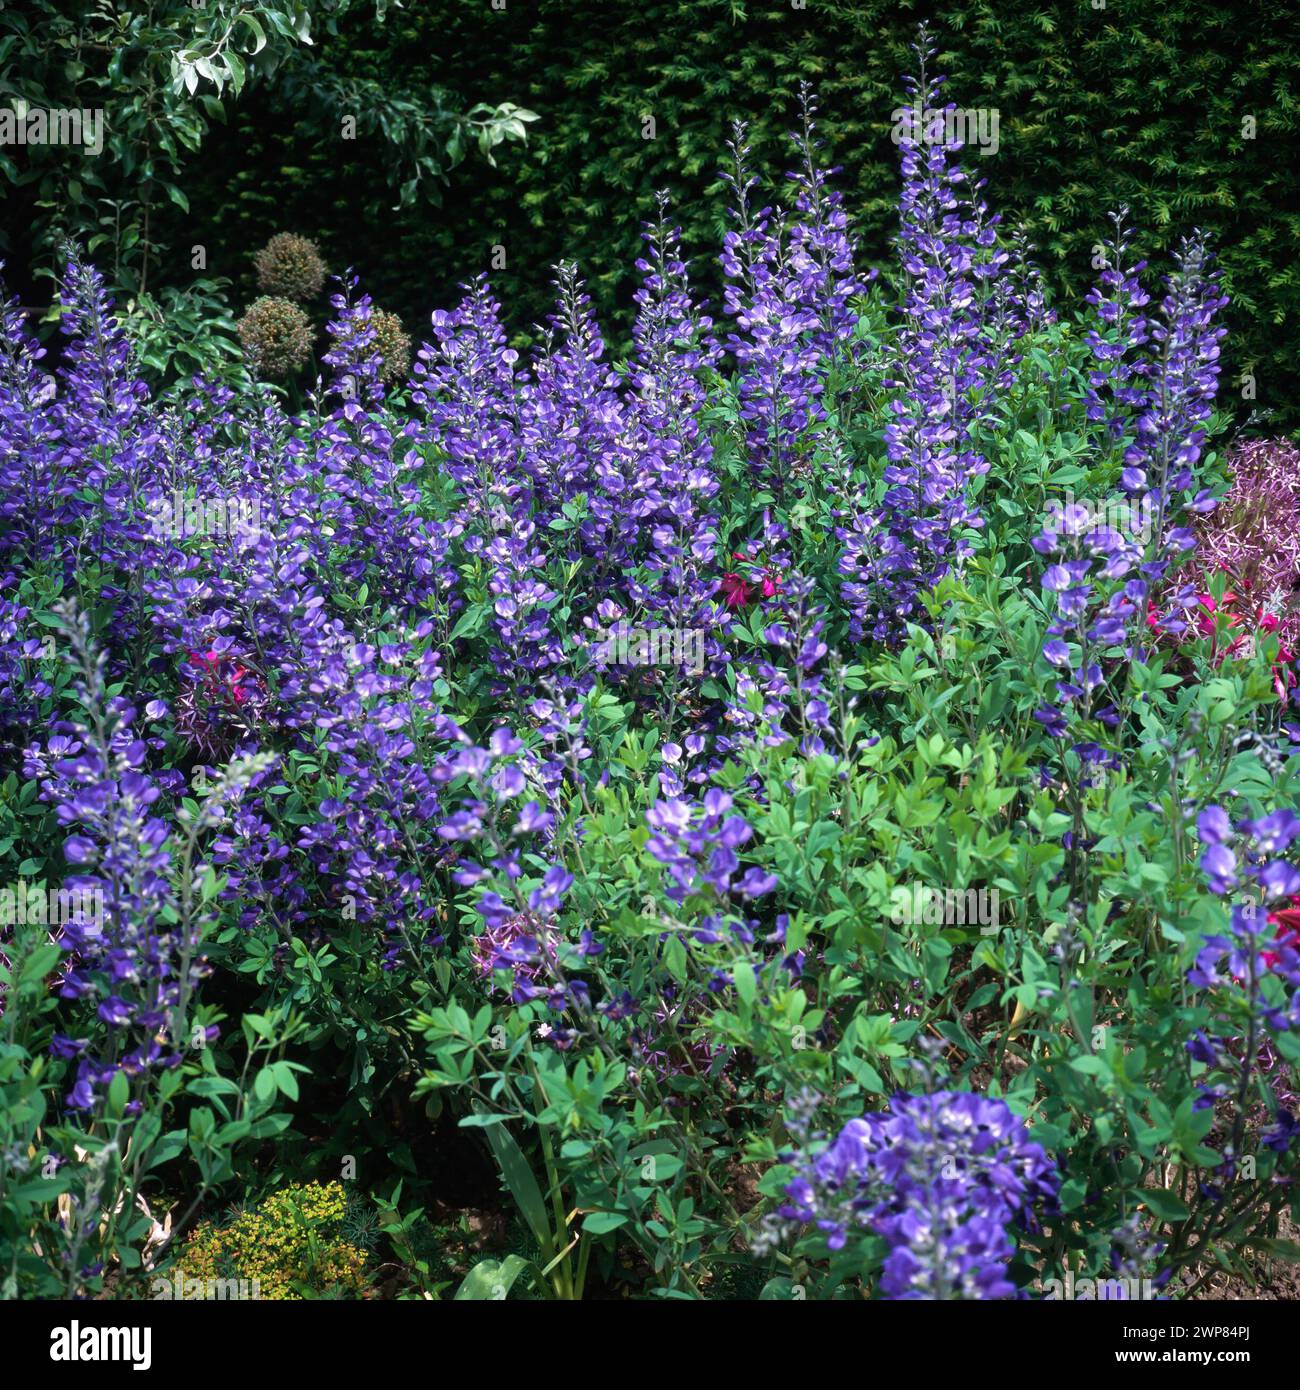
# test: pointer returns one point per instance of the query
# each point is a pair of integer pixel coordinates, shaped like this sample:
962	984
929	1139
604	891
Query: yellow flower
291	1237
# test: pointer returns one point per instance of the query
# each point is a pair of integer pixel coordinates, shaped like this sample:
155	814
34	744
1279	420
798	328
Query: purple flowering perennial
949	252
943	1179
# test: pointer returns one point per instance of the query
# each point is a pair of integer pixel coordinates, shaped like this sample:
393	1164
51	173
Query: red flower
736	592
1206	623
1287	922
236	685
739	592
1242	641
237	688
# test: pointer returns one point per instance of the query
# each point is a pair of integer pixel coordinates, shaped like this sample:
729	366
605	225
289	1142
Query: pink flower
739	592
238	685
736	592
1287	922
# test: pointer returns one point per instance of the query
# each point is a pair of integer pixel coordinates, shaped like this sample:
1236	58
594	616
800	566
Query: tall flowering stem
1118	335
790	281
949	253
1184	378
1103	575
136	957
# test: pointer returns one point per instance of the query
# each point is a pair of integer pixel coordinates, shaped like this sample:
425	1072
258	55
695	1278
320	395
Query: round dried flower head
393	344
290	267
276	337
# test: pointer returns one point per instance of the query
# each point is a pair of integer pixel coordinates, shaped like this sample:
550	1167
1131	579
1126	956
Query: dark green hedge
1137	102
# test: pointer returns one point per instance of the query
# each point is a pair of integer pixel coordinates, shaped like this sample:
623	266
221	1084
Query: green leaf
167	1148
259	34
599	1223
1165	1205
119	1092
39	963
1287	1250
286	1080
235	67
778	1289
522	1184
491	1279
